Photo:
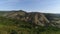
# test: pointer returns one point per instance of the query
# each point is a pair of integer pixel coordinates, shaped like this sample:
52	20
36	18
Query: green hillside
18	26
14	26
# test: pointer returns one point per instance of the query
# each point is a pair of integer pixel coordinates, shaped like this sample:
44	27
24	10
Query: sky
47	6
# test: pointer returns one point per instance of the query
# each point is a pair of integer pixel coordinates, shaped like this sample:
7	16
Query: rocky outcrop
54	19
42	19
32	17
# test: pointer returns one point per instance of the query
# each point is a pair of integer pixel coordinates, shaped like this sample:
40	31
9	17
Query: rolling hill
21	22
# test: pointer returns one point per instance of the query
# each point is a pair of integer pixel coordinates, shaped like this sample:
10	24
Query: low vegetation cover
14	26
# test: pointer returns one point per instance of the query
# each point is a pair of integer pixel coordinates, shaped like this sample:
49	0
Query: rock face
42	19
54	19
32	17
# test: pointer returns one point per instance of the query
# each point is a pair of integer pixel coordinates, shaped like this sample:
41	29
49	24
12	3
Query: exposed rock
54	19
42	19
33	17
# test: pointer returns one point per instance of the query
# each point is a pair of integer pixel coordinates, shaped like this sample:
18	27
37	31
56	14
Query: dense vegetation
14	26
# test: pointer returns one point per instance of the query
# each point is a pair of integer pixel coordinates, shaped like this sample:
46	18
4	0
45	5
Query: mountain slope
42	19
36	18
15	26
21	22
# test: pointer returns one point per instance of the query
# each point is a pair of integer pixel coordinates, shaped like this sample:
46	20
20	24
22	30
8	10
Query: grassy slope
13	26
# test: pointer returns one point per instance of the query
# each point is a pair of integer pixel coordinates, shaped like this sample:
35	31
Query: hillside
42	19
36	18
14	26
21	22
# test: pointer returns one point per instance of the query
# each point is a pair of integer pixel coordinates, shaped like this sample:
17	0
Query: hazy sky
51	6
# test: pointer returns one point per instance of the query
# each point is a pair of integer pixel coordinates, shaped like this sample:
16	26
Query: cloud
8	2
52	6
